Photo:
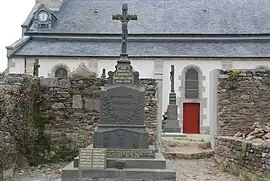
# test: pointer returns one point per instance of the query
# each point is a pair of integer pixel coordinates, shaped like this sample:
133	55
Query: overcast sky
12	15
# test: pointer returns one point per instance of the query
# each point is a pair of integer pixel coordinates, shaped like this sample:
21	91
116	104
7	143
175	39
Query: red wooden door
191	118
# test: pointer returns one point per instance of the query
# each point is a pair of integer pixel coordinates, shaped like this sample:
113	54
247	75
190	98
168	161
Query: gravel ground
187	170
203	170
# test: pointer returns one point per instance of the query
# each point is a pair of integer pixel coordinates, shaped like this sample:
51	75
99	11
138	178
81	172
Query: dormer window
43	18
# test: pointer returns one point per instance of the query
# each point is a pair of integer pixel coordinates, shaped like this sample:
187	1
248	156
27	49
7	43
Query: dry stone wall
68	110
242	100
248	159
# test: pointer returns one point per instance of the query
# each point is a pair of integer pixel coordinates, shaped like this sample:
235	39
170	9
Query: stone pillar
159	80
214	76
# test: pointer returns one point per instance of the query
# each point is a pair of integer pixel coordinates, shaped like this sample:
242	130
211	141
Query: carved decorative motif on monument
136	138
106	137
110	111
121	140
83	72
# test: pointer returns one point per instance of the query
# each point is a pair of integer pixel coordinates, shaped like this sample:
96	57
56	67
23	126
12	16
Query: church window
43	26
192	84
61	73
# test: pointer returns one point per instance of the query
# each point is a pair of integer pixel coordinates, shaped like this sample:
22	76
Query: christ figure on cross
172	78
124	18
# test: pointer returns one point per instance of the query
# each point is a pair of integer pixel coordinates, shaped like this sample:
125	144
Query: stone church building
196	36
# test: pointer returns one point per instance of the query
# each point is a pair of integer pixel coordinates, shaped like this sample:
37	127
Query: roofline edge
29	33
143	56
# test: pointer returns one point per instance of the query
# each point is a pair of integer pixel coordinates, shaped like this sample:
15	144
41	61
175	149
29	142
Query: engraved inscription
123	75
123	105
128	153
99	158
85	158
92	158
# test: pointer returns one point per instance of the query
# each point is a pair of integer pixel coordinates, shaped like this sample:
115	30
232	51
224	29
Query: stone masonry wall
248	159
242	99
69	110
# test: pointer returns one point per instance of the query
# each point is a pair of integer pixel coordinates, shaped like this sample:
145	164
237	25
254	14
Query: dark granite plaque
130	153
122	105
121	138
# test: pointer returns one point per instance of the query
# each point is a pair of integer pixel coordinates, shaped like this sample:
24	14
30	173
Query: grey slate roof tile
79	47
166	16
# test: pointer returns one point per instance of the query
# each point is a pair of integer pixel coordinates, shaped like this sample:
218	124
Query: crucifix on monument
172	97
36	67
124	73
124	18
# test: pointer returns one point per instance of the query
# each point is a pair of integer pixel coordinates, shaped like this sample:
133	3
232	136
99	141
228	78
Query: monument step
69	173
158	162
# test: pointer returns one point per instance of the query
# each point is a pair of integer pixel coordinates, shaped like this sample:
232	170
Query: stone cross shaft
172	78
36	67
124	18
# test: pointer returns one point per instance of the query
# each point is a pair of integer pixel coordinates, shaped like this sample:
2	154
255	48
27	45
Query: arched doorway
61	72
191	109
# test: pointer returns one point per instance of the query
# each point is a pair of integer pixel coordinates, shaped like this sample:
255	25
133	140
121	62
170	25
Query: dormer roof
29	20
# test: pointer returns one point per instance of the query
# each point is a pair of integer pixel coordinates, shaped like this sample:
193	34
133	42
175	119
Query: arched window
192	84
61	72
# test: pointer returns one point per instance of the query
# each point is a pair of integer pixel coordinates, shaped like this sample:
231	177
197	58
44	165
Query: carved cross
124	18
36	67
103	75
172	78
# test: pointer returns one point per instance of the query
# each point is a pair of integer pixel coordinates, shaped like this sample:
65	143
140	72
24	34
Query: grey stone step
70	173
158	162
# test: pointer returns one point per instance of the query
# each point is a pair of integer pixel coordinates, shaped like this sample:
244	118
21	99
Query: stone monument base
122	169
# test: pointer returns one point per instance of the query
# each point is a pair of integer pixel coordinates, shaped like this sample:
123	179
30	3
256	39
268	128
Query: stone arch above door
57	67
193	99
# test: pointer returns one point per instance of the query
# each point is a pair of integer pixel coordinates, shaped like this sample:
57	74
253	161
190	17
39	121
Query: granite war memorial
120	149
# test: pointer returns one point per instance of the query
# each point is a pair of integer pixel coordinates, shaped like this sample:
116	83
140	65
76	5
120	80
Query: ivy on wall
22	123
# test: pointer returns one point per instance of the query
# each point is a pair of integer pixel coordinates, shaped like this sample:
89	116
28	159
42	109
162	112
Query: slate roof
196	48
166	16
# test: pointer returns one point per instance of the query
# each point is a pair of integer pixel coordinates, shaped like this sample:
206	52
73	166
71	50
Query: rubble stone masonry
248	159
69	109
243	97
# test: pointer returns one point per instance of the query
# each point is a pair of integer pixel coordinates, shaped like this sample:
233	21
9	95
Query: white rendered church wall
250	63
48	65
16	66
